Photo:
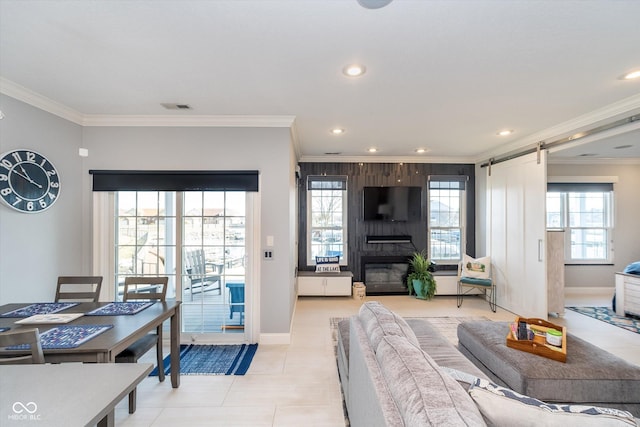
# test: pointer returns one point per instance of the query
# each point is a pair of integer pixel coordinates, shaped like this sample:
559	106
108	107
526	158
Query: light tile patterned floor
297	384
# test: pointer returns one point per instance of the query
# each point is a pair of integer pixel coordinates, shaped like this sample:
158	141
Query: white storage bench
627	294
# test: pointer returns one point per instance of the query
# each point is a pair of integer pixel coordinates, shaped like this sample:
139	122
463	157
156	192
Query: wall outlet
268	254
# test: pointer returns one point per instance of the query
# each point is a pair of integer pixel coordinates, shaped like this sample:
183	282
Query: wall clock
28	181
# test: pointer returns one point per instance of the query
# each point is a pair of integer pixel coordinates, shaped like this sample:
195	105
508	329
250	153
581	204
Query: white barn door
516	233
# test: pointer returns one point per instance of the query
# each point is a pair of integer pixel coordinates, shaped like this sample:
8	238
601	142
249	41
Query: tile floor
297	384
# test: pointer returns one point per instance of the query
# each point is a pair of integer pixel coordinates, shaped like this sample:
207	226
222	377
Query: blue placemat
66	336
39	308
119	308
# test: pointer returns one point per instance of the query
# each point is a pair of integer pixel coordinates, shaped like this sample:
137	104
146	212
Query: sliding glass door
197	239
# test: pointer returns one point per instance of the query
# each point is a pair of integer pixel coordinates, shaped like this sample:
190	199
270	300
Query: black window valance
579	187
135	180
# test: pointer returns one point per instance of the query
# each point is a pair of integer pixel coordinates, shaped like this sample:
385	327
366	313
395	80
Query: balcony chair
30	337
203	276
78	288
236	302
148	289
475	274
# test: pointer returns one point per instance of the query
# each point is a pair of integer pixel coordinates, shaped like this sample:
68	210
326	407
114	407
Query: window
585	212
326	217
446	235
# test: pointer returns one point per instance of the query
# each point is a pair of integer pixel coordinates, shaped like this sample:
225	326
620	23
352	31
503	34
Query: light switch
270	241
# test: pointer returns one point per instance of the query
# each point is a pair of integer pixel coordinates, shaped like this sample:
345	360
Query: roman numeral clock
28	181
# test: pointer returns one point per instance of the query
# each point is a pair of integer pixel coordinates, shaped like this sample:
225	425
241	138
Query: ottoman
590	376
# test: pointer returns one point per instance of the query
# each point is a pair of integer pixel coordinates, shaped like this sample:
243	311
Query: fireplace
385	275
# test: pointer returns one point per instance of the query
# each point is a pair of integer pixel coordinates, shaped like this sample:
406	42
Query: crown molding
611	112
384	159
91	120
21	93
592	161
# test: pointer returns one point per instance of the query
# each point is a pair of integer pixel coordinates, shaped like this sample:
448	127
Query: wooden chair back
78	288
145	288
28	336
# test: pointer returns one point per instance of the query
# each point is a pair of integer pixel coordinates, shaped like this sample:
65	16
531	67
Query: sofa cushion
441	350
424	395
504	407
378	321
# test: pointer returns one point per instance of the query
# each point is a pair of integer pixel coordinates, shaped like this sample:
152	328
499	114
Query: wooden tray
538	345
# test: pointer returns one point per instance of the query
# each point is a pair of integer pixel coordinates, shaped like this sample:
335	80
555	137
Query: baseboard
275	339
571	291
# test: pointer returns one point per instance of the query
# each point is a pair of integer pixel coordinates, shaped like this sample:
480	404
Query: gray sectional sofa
403	372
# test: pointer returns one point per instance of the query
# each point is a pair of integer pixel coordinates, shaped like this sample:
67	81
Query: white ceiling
443	75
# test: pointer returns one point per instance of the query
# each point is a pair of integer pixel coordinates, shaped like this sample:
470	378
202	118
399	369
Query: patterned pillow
504	407
478	268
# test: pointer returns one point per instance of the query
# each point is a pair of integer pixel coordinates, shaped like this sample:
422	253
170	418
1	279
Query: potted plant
420	280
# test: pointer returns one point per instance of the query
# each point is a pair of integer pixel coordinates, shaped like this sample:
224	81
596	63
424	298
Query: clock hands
26	176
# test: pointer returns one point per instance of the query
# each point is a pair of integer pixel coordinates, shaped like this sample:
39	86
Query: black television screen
392	203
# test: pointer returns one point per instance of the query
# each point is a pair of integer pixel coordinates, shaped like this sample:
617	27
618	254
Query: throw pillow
479	268
633	268
501	406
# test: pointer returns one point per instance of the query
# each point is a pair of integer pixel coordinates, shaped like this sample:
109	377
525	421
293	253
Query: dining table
119	332
66	394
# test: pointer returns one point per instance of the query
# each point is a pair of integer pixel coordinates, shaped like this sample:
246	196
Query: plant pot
420	289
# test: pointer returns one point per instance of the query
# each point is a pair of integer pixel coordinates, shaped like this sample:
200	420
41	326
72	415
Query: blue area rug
609	316
212	359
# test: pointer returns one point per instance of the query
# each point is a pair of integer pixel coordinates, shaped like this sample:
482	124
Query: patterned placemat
67	336
39	308
120	308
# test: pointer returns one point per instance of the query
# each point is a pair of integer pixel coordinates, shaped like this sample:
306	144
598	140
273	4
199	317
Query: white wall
37	248
626	235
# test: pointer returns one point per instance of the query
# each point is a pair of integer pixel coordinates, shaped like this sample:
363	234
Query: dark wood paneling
382	174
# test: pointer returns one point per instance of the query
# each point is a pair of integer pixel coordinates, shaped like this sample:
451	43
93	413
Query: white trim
577	291
275	339
617	110
21	93
103	233
188	121
384	159
252	331
594	161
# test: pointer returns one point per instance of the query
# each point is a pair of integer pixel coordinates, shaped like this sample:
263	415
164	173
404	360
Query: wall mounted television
393	204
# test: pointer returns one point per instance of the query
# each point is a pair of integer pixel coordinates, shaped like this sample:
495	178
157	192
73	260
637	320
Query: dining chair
78	288
28	336
147	289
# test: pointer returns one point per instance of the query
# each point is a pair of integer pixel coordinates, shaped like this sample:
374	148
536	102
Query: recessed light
421	150
587	155
373	150
505	132
337	131
354	70
631	75
622	147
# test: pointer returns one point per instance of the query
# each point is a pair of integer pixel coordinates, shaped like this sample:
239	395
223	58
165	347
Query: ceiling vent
171	106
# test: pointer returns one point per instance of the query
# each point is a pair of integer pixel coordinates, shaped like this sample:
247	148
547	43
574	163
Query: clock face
28	181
